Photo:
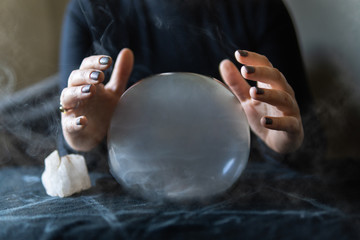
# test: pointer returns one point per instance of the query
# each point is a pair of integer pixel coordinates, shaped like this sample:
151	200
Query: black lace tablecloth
270	201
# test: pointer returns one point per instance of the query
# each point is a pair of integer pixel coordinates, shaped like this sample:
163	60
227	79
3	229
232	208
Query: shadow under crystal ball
178	136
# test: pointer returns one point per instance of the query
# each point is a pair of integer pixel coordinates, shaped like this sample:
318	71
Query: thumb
233	78
121	73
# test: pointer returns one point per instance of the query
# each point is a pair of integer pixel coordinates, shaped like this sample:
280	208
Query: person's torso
169	36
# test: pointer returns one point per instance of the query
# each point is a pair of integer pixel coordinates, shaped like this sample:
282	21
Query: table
269	202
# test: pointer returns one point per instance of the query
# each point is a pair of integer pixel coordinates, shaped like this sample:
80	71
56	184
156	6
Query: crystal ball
179	136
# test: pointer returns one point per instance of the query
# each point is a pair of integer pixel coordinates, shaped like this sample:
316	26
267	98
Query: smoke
29	124
335	92
7	80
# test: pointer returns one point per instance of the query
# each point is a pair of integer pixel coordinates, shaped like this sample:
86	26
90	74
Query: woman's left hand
271	108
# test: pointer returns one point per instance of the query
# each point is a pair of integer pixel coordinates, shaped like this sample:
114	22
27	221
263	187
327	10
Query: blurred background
328	31
29	40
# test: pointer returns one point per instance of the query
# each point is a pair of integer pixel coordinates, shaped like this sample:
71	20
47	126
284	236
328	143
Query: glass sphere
178	136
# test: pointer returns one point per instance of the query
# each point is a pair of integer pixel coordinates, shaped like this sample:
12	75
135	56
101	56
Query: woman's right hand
90	104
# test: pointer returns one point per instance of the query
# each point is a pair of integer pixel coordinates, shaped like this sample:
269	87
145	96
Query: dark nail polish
94	75
249	69
78	121
243	53
104	60
86	89
259	91
268	121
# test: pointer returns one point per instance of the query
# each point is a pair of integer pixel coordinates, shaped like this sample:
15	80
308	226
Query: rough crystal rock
65	176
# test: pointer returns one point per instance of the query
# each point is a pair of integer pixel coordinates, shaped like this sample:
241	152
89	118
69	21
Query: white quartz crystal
66	175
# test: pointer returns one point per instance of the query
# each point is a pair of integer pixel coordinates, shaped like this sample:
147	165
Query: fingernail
104	60
243	53
78	121
259	90
86	89
268	121
95	75
249	69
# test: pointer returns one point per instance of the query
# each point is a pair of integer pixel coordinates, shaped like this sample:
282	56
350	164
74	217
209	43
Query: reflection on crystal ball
179	136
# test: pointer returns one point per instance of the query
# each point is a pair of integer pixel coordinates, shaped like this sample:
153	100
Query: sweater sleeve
75	41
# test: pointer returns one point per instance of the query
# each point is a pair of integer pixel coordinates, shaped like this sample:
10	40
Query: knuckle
72	95
290	90
277	74
68	96
288	104
73	92
286	99
265	59
73	73
293	125
85	61
85	74
62	95
72	76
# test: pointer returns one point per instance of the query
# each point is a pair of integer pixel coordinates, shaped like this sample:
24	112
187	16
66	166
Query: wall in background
29	39
329	34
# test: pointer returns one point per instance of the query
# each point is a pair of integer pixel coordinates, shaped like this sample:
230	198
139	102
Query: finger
232	77
266	75
288	124
70	97
85	76
100	62
279	99
252	58
122	70
72	125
